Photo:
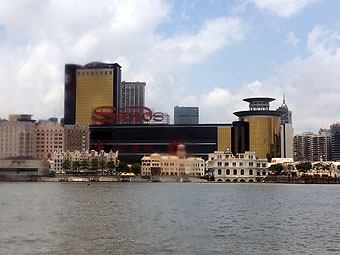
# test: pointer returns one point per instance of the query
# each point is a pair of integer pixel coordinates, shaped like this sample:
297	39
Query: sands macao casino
93	97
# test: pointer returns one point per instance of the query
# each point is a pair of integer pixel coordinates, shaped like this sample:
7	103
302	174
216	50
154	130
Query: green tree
111	165
75	165
84	164
304	166
66	165
123	167
94	164
135	168
277	168
102	164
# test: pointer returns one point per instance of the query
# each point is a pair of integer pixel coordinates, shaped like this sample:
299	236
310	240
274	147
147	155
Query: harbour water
169	218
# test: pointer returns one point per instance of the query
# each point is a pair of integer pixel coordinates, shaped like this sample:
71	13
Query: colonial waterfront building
18	137
173	165
50	138
60	156
243	167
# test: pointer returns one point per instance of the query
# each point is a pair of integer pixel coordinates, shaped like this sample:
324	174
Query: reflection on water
159	218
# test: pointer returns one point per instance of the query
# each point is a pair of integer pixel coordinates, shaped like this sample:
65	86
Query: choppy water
159	218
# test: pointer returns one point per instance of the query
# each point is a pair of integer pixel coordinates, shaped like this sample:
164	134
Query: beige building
243	167
60	156
50	138
172	165
76	137
23	167
18	137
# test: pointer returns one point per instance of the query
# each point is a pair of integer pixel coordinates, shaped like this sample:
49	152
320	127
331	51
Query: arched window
219	172
242	172
251	172
235	172
227	172
226	164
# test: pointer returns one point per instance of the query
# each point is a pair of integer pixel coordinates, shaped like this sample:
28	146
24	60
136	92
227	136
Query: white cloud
292	39
38	38
282	8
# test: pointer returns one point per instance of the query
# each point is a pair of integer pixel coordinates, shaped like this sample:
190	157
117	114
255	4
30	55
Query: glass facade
264	135
186	115
94	88
223	138
133	142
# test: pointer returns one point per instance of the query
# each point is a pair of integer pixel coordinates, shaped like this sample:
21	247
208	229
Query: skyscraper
186	115
132	94
88	87
286	130
335	133
264	127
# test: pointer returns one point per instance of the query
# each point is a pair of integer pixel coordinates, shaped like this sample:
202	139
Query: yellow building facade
94	88
223	138
264	135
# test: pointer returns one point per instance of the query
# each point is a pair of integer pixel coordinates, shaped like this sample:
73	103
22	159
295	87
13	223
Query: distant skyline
209	54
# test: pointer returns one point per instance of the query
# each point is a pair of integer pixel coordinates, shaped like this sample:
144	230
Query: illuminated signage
125	114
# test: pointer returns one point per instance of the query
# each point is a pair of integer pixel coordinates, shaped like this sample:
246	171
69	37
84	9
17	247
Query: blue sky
210	54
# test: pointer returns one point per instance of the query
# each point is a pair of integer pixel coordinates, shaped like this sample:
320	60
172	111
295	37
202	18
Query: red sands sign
125	114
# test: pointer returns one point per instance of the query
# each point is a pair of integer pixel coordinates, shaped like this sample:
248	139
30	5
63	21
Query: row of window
250	164
95	73
242	172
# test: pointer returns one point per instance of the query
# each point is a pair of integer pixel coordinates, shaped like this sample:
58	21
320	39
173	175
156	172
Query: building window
241	163
258	165
227	172
263	164
226	164
105	73
251	164
263	172
234	163
219	172
251	172
235	172
242	172
110	72
258	173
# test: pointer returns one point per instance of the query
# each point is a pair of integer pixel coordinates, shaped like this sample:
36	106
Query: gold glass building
264	127
88	87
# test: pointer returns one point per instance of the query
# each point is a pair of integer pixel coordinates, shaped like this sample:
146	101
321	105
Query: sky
209	53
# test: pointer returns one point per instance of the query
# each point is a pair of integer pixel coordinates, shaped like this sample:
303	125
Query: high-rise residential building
89	87
264	127
132	94
76	137
286	130
313	147
49	137
335	134
18	137
186	115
